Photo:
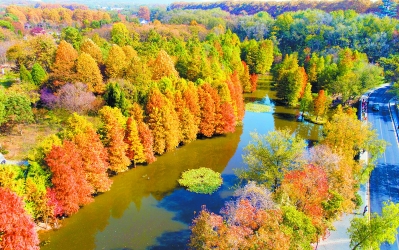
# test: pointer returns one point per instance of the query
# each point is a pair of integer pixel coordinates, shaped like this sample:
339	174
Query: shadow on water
146	208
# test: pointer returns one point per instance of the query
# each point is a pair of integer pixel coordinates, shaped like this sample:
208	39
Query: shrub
202	180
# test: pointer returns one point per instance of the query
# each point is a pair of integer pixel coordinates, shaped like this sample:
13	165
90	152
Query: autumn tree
187	121
163	66
94	154
245	78
320	104
64	64
145	134
68	177
270	156
208	110
144	13
89	47
17	229
88	72
307	189
163	122
72	97
135	150
350	141
116	62
113	133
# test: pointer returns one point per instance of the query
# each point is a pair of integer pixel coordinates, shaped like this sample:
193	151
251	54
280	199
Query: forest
107	91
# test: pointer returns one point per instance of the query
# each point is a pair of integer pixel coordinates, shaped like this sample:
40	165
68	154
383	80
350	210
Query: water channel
146	208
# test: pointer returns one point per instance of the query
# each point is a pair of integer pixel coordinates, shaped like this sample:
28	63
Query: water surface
146	208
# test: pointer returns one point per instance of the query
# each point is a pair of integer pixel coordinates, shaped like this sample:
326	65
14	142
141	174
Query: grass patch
17	146
202	180
8	79
315	120
257	108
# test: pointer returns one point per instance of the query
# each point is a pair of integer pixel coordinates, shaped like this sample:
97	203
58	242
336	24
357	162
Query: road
384	180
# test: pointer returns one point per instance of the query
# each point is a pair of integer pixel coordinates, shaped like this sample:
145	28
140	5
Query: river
146	208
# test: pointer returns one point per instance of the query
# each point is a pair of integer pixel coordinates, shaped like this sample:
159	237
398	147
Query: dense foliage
202	180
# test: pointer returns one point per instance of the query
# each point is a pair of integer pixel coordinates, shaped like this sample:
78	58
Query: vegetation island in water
88	93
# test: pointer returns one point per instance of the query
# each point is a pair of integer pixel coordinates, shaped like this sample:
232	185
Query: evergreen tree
39	75
115	97
25	75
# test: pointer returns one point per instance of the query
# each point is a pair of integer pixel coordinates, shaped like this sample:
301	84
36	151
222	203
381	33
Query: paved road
384	181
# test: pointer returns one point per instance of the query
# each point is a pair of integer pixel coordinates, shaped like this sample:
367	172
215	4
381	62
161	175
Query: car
376	107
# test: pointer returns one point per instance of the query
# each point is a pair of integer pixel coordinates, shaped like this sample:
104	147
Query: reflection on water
146	208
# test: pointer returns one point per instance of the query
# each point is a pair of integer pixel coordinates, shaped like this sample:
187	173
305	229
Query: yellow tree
89	47
113	138
163	66
64	64
135	149
116	62
89	73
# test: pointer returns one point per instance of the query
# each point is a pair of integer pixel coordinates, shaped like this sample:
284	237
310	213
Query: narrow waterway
146	208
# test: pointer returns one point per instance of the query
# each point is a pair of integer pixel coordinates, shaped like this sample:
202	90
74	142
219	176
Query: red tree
208	110
95	159
254	82
17	229
307	189
228	117
69	180
236	95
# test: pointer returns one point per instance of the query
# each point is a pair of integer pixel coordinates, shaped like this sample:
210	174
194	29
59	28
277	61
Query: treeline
275	8
130	100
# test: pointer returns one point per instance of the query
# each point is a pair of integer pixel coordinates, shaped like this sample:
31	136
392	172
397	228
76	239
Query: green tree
25	75
73	36
18	110
120	35
265	57
115	97
369	233
270	156
39	75
307	99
